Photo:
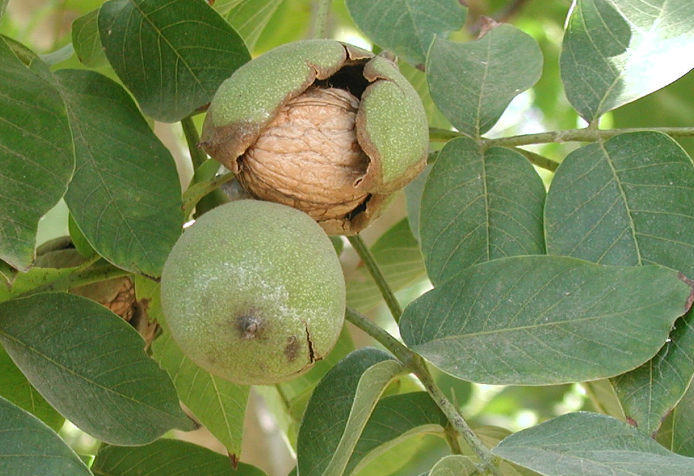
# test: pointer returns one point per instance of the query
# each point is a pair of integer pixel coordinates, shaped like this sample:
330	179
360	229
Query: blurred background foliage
45	26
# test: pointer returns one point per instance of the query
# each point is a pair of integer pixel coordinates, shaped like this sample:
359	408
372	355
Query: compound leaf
407	27
166	457
172	55
36	154
541	320
630	201
28	446
479	206
586	444
91	366
125	195
473	83
339	410
616	51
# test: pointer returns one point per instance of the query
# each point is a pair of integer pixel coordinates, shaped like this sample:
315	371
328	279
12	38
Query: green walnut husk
322	126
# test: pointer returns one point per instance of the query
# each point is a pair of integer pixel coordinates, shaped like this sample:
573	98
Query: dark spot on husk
250	326
291	350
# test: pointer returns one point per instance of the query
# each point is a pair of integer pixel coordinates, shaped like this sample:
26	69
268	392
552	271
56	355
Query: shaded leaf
603	399
413	195
650	392
86	40
171	55
479	206
418	79
36	154
407	27
220	405
166	457
28	446
17	390
125	195
491	436
32	279
540	320
683	425
397	254
587	444
394	419
630	201
473	83
616	51
339	409
91	366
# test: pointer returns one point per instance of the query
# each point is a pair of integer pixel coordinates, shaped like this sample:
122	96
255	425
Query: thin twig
321	17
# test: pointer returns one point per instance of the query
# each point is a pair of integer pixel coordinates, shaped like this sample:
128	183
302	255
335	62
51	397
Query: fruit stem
197	191
197	156
416	364
370	262
321	15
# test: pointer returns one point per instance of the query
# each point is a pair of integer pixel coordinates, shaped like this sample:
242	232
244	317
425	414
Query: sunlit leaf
91	366
540	320
28	446
171	55
250	17
220	405
36	154
616	51
587	444
339	410
473	83
394	419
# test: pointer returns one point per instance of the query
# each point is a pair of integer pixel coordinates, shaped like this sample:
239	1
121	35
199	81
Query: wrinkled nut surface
308	157
321	126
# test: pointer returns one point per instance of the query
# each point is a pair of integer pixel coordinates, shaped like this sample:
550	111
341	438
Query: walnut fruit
253	292
321	126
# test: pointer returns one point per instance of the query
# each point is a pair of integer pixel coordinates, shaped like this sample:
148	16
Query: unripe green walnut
253	292
321	126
